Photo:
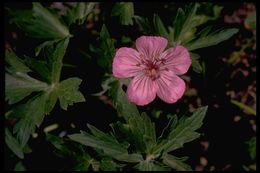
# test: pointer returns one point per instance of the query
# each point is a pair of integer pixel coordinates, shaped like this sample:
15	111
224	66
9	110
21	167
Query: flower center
151	67
151	70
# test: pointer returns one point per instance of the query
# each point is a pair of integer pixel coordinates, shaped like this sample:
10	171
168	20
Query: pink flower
154	70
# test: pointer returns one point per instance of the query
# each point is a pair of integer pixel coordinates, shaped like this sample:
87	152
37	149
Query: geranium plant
153	64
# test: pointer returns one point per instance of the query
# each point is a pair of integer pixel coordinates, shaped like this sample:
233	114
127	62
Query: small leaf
40	47
68	93
79	12
40	67
159	26
19	166
83	162
150	166
195	63
13	144
125	11
252	148
122	104
206	40
40	23
144	24
244	107
108	164
176	163
105	51
15	64
184	23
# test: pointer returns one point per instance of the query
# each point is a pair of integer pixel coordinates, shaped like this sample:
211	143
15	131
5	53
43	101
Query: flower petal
151	46
177	59
142	90
170	87
125	63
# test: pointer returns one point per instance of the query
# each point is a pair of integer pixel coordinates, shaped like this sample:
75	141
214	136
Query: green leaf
68	92
142	129
13	144
207	39
54	56
125	11
79	12
184	23
143	24
183	132
105	51
176	163
252	148
159	26
150	166
19	166
40	47
107	164
121	102
244	107
32	114
83	162
110	148
106	85
40	23
195	63
19	86
15	64
40	67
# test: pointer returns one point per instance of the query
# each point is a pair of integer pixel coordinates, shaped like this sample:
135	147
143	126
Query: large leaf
40	23
182	132
125	11
13	144
68	92
207	39
18	84
32	114
110	148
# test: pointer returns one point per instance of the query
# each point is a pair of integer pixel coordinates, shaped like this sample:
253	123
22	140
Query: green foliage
182	131
125	11
68	92
252	148
105	51
244	107
19	86
207	38
176	163
196	66
13	144
40	23
138	136
79	12
19	166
